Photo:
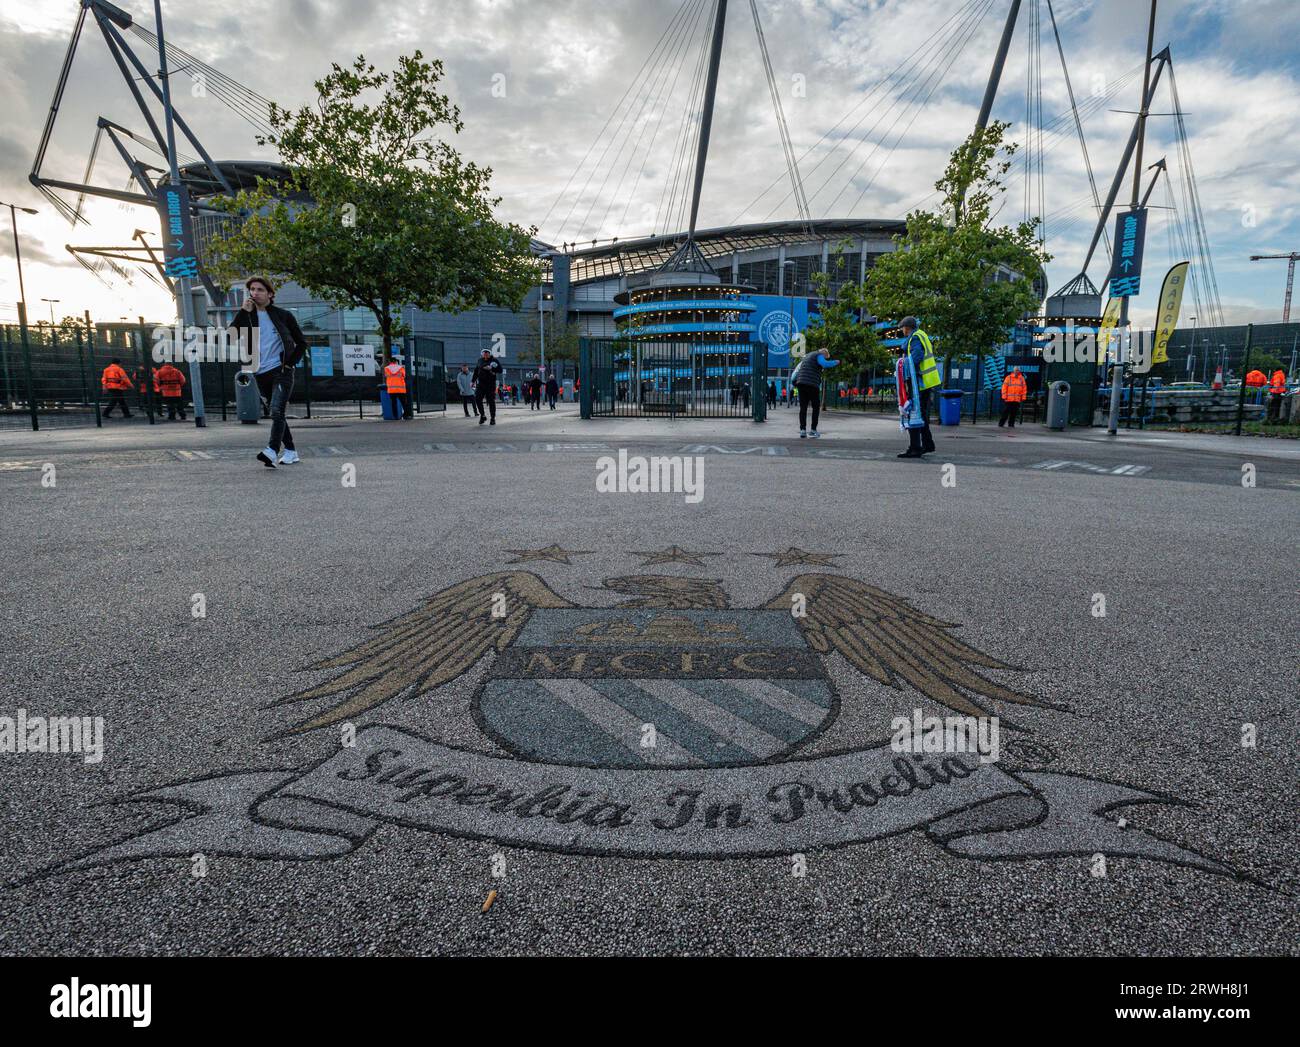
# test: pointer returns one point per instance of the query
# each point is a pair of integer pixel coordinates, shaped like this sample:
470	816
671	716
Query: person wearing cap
918	374
485	385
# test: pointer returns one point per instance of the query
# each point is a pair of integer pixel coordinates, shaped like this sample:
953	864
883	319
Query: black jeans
920	439
809	394
116	398
275	386
550	399
405	400
466	399
1010	412
174	404
486	396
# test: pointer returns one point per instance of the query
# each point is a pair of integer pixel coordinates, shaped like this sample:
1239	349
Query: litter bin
950	407
391	408
248	401
1058	405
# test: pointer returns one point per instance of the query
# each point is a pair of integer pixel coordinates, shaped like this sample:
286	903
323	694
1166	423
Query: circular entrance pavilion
684	344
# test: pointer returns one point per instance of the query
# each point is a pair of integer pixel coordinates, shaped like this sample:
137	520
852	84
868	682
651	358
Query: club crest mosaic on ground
509	751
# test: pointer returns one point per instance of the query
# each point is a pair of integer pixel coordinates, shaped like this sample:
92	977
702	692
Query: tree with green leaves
840	335
967	280
562	339
378	213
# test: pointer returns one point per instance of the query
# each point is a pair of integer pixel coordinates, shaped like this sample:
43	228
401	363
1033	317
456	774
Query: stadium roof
241	174
625	257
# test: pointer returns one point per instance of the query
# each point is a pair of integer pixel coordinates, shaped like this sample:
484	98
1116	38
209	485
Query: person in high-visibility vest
115	383
917	347
1277	390
395	380
1014	391
171	385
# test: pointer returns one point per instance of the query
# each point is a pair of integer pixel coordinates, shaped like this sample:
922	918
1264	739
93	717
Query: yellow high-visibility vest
928	373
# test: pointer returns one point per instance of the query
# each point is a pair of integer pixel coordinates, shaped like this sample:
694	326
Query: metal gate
672	379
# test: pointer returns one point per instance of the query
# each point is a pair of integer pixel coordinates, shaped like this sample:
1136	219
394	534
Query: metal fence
52	378
672	379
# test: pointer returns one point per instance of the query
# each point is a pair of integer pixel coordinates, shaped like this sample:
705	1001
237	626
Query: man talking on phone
280	347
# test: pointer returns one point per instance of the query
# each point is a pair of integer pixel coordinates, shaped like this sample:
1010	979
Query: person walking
917	375
465	387
1014	392
552	390
115	383
171	385
807	379
280	347
395	383
485	384
535	392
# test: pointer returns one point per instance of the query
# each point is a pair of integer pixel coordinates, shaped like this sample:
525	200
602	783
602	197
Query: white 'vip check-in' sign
358	361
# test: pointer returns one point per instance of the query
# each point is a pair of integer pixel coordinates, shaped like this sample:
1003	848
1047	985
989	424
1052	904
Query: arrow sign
1126	265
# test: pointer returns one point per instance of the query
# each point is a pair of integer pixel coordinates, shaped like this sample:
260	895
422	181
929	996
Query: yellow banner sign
1171	301
1106	331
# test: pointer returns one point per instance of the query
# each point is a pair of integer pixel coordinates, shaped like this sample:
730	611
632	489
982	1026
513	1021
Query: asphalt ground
1122	735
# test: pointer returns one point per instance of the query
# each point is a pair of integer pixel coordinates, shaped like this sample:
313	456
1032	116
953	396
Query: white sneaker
267	458
803	434
289	458
815	435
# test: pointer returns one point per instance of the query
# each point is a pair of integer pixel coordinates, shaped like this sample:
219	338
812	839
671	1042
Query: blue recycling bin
392	408
950	407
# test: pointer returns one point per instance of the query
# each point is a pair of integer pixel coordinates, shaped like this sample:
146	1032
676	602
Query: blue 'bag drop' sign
180	256
1126	267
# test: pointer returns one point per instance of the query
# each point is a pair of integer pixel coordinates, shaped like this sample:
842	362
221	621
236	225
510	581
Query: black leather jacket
295	345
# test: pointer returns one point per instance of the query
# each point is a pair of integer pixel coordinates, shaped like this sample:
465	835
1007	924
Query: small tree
561	342
949	269
841	335
378	213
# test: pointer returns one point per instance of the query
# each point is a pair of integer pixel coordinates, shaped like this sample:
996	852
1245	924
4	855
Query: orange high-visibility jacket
115	378
1256	378
170	380
1279	383
395	376
1014	389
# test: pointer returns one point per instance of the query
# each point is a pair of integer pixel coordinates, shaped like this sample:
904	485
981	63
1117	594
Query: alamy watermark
947	734
53	734
1079	345
636	474
206	345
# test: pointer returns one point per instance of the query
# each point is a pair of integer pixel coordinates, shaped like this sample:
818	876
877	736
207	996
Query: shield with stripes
644	688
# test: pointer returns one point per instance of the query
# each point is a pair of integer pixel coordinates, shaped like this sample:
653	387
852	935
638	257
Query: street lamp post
789	393
22	293
52	303
13	220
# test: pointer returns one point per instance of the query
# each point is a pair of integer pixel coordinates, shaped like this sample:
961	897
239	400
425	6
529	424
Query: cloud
566	64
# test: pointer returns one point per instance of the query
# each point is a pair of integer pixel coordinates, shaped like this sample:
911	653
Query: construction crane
1290	278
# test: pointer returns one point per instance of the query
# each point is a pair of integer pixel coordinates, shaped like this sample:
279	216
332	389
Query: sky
577	106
